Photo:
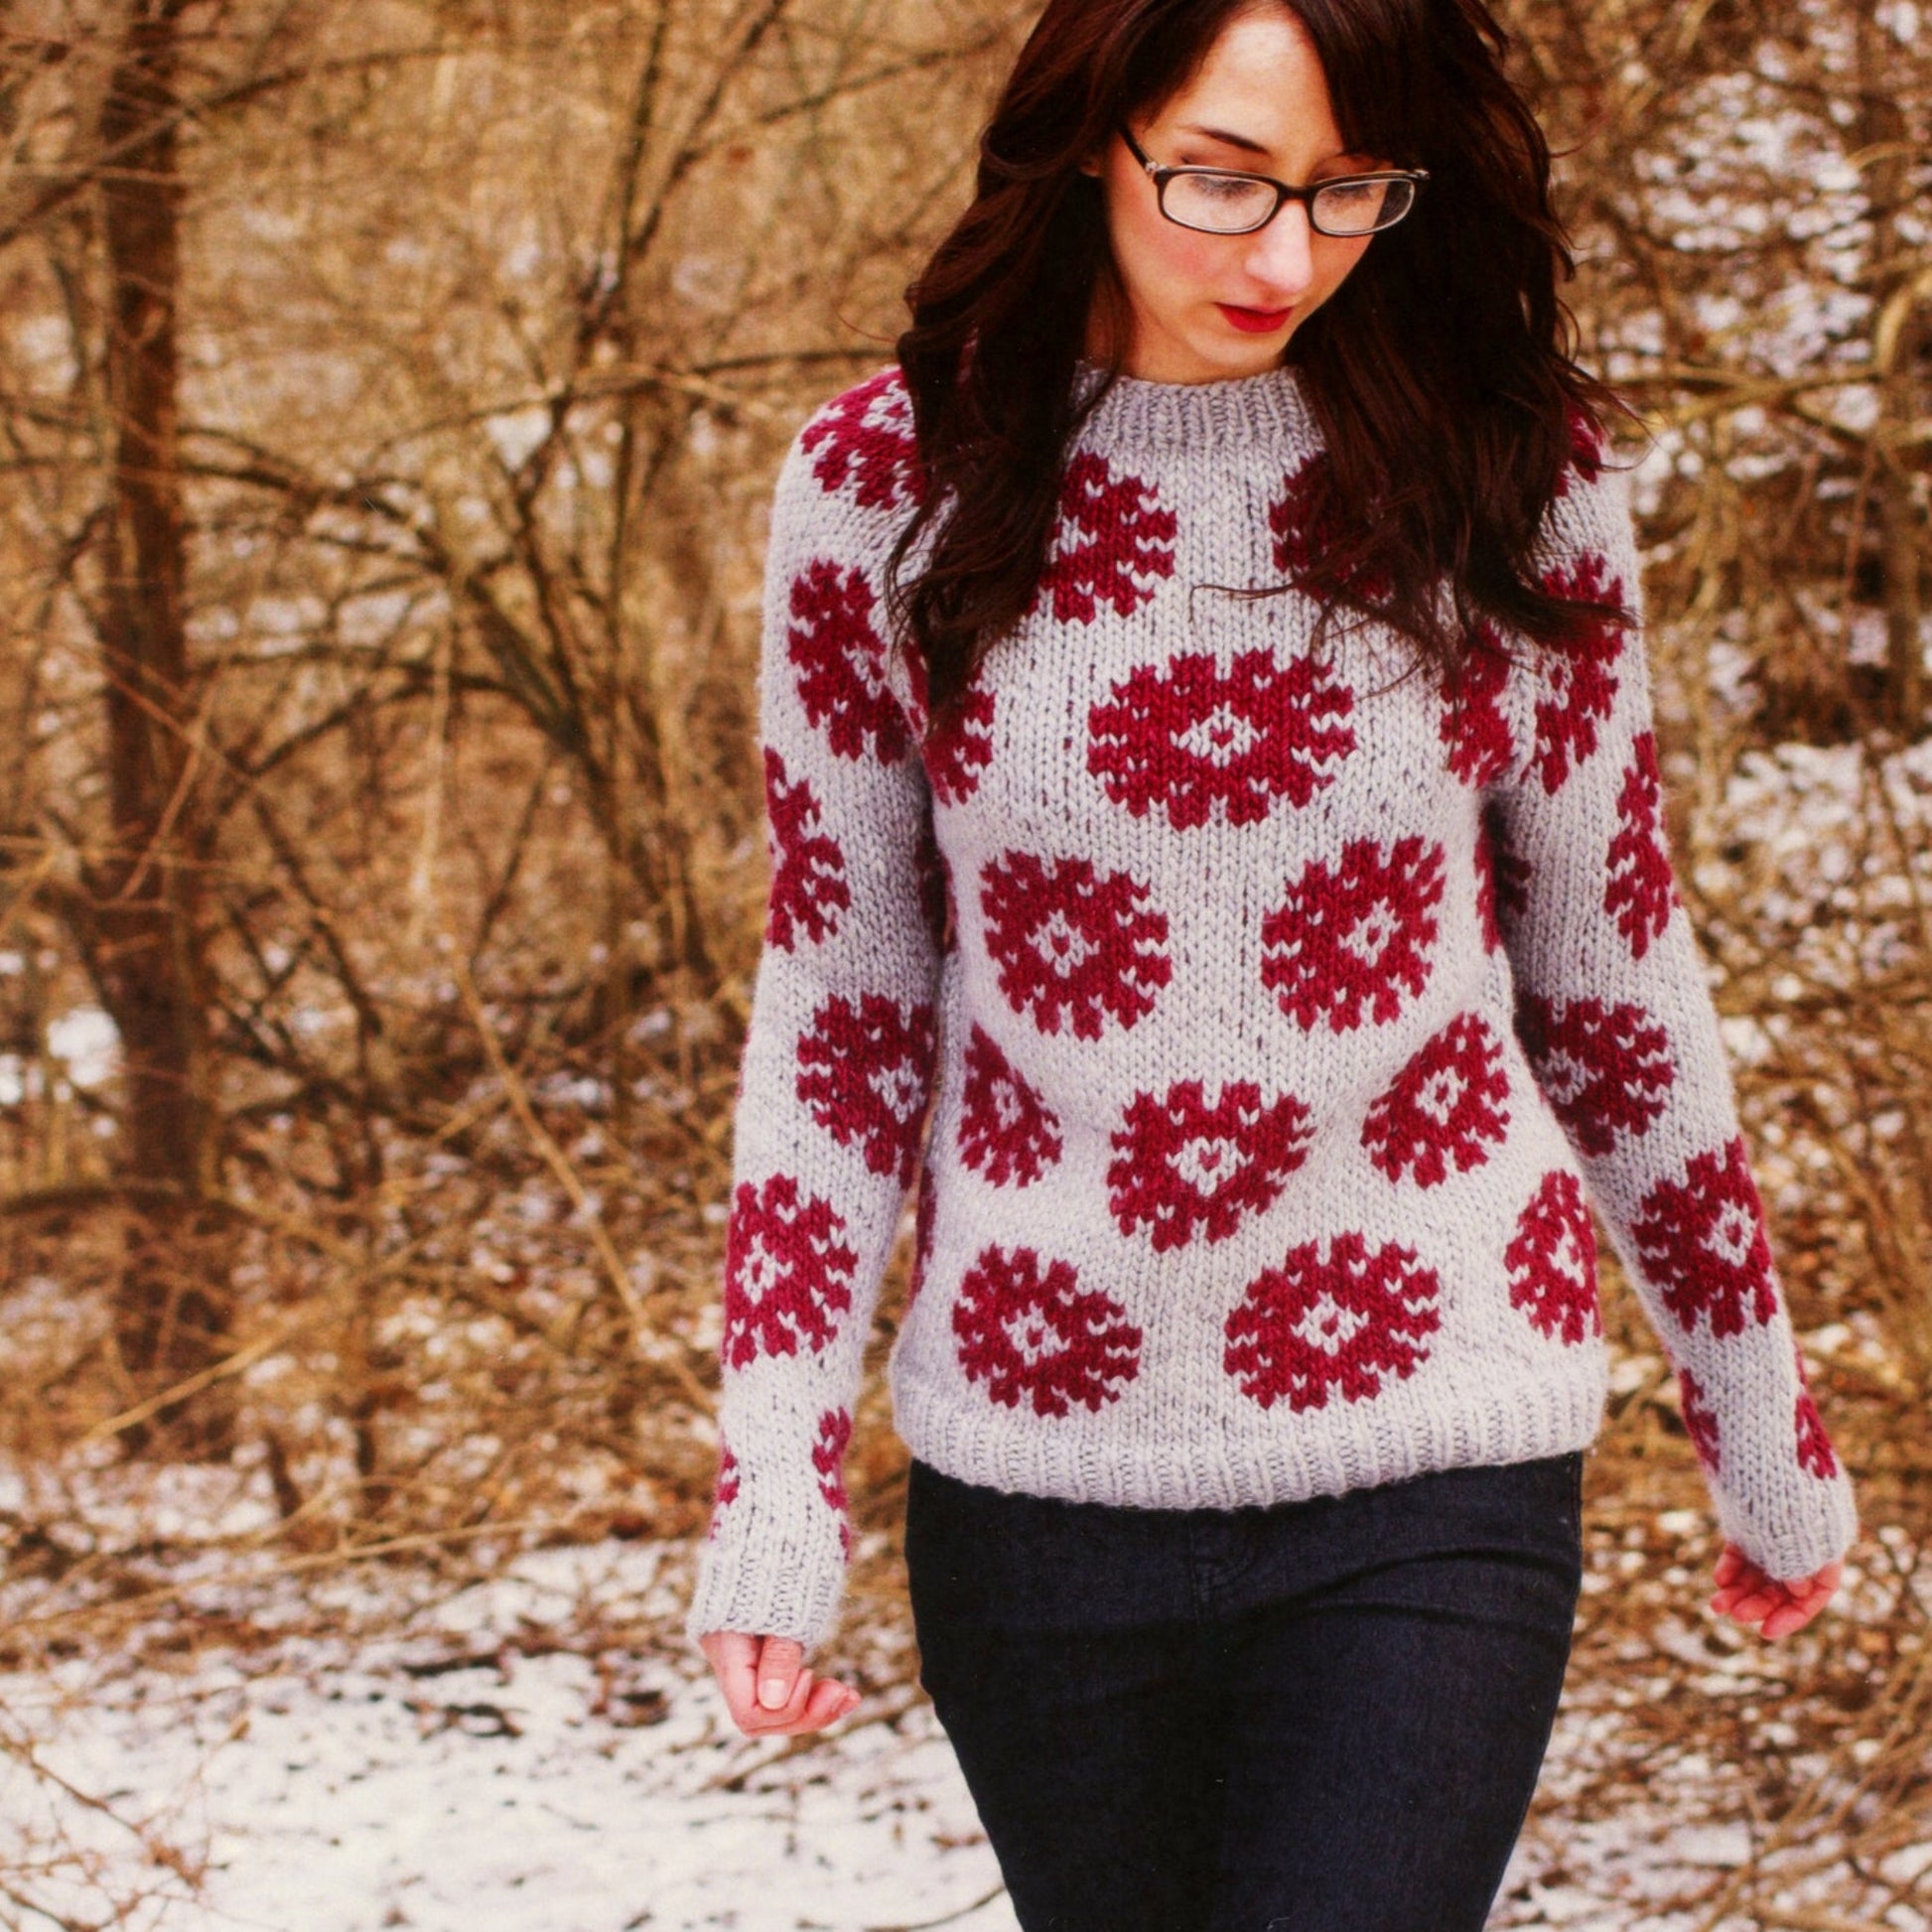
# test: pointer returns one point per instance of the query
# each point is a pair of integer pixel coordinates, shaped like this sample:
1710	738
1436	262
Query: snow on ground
519	1757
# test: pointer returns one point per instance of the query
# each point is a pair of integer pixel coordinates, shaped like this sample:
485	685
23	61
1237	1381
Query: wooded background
390	395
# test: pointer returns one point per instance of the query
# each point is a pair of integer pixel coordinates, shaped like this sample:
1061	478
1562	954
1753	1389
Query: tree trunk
173	1308
1885	134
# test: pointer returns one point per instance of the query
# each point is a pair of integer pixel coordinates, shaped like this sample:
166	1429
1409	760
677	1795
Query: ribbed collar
1271	408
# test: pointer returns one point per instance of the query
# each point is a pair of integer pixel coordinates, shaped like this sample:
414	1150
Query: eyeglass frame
1282	191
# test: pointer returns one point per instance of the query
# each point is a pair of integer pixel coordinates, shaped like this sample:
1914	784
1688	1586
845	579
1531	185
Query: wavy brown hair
1440	371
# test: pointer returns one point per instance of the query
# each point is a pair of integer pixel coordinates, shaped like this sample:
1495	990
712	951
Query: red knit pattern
1308	527
725	1491
1033	1332
828	1459
1340	1321
788	1272
1641	889
960	748
1551	1261
1473	724
1073	942
1699	1419
808	887
1815	1453
1190	738
1585	452
1006	1131
1353	937
1182	1168
864	1074
865	437
1603	1068
1702	1242
1113	536
1579	685
842	663
1442	1106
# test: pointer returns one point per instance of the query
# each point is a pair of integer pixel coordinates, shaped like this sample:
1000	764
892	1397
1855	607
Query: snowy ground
507	1760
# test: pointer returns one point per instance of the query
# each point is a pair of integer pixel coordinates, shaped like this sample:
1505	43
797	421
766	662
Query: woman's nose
1283	253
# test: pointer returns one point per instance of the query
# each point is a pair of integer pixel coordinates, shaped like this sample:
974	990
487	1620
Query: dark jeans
1322	1717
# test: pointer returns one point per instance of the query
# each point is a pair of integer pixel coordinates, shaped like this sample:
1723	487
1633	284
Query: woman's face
1204	307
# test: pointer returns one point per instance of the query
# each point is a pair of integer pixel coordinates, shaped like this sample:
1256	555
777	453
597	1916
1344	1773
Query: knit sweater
1261	1012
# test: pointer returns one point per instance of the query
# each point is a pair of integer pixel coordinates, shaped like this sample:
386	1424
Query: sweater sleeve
1614	1010
836	1069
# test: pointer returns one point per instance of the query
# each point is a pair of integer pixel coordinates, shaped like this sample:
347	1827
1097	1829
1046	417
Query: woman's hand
767	1693
1746	1594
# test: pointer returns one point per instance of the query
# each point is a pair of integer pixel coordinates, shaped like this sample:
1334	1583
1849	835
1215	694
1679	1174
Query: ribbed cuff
768	1579
1790	1536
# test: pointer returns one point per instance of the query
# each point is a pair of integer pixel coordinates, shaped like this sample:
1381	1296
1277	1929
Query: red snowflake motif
808	887
1642	888
922	1235
864	1074
1604	1070
1442	1106
935	891
1579	684
1033	1333
865	436
1070	941
1355	936
1699	1419
1184	1167
1189	738
1006	1131
1702	1242
1585	450
828	1459
1473	724
788	1273
1113	536
1308	527
1551	1262
960	748
841	664
725	1492
1815	1451
1313	1325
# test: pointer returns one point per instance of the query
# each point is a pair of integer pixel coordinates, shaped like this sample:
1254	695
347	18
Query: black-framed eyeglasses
1223	201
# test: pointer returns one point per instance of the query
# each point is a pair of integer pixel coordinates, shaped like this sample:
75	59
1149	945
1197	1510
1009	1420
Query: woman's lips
1254	322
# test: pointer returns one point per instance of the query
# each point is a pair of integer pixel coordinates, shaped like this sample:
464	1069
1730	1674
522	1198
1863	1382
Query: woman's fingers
778	1672
744	1664
1746	1592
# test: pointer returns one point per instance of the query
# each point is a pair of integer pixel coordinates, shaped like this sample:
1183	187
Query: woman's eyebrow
1232	140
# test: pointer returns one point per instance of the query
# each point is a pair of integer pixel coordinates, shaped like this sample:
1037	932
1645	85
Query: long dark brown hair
1440	371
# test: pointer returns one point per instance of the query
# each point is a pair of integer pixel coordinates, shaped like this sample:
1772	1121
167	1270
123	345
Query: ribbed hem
1269	408
1277	1459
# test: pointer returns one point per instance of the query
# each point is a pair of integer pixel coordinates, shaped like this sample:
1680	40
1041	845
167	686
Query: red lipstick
1254	322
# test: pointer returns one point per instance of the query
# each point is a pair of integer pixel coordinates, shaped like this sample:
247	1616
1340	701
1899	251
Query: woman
1210	759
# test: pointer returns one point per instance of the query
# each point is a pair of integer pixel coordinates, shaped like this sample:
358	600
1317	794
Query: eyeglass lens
1231	204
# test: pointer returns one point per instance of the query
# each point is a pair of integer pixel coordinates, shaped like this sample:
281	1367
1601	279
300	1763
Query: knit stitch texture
1261	1018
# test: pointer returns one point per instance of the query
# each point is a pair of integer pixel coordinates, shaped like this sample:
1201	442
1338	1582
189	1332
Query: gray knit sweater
1260	1017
